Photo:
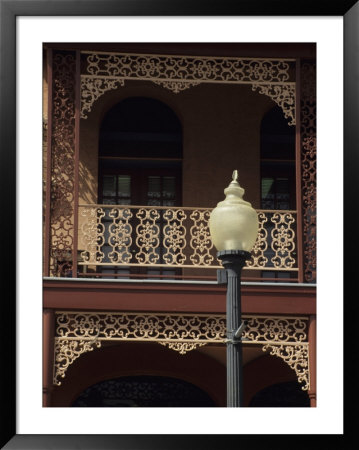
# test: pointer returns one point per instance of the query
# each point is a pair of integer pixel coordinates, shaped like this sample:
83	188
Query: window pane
124	190
109	185
268	196
124	186
154	186
282	188
109	201
154	191
267	188
283	183
123	201
282	205
169	187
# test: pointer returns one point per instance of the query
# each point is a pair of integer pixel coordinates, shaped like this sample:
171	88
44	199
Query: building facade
140	140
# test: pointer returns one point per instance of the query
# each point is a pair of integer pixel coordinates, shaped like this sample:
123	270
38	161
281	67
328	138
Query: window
277	174
277	162
140	162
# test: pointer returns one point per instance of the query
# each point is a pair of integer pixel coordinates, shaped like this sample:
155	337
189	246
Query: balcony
173	242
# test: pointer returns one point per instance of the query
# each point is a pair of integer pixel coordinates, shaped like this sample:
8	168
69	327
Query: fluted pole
233	262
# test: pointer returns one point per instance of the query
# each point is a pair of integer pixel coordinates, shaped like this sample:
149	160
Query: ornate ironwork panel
309	170
176	237
188	68
107	71
80	332
62	162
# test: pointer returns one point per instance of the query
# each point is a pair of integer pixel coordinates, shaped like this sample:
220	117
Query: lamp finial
235	175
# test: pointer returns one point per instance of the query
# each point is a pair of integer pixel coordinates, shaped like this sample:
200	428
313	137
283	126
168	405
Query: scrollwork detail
296	356
187	68
148	236
93	235
258	258
201	243
67	351
174	236
62	162
182	347
93	88
308	160
283	240
120	235
176	86
283	95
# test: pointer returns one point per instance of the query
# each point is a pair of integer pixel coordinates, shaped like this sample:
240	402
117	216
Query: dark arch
141	359
140	153
143	391
289	394
140	127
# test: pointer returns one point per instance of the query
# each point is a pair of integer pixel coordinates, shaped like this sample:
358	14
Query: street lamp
233	227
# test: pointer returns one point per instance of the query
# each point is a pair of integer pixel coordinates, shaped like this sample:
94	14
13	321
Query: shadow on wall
88	185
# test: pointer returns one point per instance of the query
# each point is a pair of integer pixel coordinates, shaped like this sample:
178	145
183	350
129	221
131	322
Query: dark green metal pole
233	262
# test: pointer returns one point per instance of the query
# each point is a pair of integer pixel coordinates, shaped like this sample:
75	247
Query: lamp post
233	227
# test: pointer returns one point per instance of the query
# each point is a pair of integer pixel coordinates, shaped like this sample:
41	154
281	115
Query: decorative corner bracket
296	356
67	351
283	95
93	88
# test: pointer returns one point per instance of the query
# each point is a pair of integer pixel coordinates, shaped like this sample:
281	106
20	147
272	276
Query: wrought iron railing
176	237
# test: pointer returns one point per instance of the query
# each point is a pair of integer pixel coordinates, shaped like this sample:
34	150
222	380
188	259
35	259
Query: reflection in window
116	190
275	193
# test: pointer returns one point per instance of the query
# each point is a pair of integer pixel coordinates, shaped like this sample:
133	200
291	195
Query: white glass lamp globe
233	224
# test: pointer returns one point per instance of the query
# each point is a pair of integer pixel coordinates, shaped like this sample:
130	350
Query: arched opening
143	391
289	394
140	164
140	154
141	359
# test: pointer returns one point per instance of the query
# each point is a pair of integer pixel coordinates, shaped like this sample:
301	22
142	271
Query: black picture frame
9	10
